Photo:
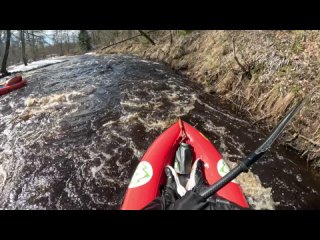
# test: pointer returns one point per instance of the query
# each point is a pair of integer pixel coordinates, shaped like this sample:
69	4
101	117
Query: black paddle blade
279	128
253	157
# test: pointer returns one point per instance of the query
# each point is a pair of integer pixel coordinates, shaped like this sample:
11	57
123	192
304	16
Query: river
71	138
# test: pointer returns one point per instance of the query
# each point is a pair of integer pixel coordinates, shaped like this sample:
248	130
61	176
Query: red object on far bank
12	84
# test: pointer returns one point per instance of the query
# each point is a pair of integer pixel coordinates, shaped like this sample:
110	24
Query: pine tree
84	40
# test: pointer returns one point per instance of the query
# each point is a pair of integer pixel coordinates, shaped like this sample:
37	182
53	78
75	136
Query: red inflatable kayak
12	84
150	175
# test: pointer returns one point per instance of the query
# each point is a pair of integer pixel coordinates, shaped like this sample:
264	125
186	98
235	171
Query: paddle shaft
254	156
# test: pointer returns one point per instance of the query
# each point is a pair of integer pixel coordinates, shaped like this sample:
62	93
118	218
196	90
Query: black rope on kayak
184	135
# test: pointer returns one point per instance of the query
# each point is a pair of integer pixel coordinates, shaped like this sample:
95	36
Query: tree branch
125	40
146	36
235	56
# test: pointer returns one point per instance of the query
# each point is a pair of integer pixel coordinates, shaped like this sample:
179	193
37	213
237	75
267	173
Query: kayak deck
149	174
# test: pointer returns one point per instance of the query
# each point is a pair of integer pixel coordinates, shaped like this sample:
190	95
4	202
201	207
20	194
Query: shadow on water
73	136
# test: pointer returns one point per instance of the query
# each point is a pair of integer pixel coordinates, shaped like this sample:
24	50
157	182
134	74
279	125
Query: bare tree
33	46
23	48
67	37
1	33
6	53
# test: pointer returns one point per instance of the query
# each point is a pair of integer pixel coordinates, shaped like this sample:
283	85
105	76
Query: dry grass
284	67
225	84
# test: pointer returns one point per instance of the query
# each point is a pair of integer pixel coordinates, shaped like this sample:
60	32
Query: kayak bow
149	174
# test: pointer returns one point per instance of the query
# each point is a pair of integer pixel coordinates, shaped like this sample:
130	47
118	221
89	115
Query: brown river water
71	138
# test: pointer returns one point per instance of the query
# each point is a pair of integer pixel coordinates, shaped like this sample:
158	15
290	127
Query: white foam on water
95	198
95	169
3	177
50	104
131	117
120	165
159	124
257	195
109	123
138	153
135	104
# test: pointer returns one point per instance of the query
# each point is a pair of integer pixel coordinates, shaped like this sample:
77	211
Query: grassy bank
261	72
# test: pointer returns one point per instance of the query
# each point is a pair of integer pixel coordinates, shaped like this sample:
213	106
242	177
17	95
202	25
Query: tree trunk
61	48
68	42
1	42
146	36
93	37
34	49
6	54
23	48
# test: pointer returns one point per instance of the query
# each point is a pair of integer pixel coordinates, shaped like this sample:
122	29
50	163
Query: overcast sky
49	35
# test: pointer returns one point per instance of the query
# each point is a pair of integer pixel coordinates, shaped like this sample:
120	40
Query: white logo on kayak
223	169
142	175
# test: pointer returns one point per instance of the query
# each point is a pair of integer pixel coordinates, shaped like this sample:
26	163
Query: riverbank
260	72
